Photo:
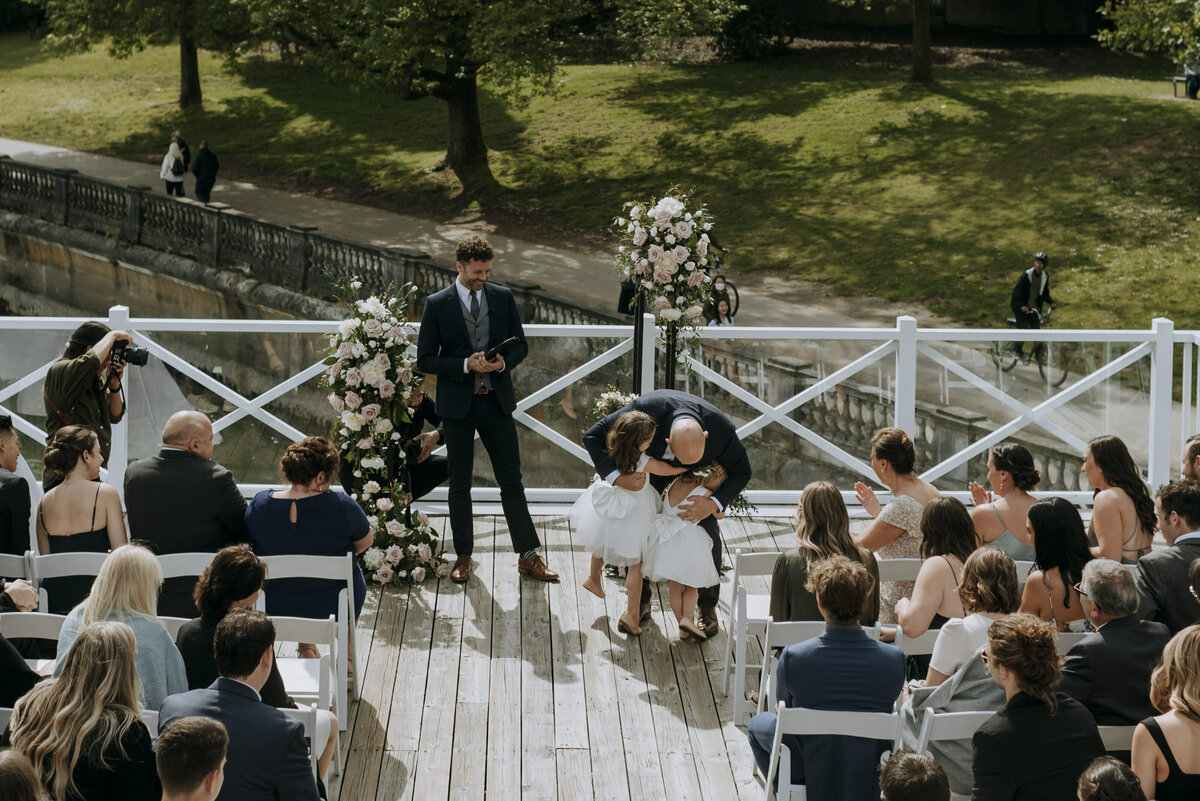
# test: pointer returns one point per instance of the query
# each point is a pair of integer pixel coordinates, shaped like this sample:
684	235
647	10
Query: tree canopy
1169	27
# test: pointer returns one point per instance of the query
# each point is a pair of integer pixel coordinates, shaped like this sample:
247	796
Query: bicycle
1053	358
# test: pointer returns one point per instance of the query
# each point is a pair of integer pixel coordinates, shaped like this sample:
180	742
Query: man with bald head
181	501
692	433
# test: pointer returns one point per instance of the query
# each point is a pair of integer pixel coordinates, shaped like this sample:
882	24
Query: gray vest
479	331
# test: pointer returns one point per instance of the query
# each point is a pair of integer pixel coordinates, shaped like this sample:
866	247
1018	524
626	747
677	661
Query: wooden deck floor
506	688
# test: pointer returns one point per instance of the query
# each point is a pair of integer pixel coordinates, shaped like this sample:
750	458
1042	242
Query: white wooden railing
906	353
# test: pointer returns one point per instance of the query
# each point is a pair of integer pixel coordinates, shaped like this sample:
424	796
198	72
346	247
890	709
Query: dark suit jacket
267	757
1109	671
14	514
1162	581
846	670
183	503
665	406
1024	752
195	644
443	343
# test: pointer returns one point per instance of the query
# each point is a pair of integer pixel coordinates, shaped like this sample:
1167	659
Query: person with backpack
173	167
1030	294
177	138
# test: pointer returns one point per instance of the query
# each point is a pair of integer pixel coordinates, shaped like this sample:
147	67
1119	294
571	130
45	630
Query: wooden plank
574	767
396	776
566	642
504	711
538	761
412	671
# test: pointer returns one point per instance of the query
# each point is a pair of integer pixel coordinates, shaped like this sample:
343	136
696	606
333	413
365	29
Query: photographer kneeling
84	386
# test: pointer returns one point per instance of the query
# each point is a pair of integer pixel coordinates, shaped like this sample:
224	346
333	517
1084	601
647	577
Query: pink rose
661	275
418	574
335	370
395	528
386	389
353	377
443	571
383	361
424	552
337	403
405	375
639	237
352	400
683	229
641	267
371	411
655	253
384	574
661	303
372	328
702	246
694	311
695	278
345	350
663	219
393	554
680	254
365	444
398	334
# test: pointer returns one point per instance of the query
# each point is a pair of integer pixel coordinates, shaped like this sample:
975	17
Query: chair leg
729	638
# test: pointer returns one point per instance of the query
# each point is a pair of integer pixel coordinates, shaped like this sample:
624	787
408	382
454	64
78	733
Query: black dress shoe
708	619
645	613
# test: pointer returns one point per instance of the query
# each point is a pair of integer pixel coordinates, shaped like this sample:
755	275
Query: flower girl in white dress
615	523
681	552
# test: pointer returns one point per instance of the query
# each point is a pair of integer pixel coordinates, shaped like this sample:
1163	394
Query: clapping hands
979	496
866	498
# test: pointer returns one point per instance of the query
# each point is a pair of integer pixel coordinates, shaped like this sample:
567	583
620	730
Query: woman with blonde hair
822	530
82	731
1166	749
126	590
172	170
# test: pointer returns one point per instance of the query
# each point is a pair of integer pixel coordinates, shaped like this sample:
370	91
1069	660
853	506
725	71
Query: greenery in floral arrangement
375	388
739	506
610	401
664	252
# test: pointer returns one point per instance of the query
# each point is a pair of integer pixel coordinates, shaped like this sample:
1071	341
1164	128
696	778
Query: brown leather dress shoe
535	567
462	570
708	619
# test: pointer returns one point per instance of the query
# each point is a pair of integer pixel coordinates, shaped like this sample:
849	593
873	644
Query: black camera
126	353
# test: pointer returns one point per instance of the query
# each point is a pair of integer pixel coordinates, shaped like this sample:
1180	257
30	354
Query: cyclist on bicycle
1029	295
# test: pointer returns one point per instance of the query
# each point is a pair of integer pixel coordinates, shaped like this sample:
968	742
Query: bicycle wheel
731	290
1003	356
1053	360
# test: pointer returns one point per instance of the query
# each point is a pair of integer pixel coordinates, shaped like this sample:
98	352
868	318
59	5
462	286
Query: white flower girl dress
680	551
614	523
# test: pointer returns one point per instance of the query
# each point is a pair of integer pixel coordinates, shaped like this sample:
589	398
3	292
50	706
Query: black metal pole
672	339
639	335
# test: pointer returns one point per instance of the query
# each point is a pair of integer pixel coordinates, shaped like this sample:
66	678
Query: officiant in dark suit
691	432
475	395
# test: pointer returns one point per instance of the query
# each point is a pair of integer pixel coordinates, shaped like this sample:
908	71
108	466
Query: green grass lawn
823	164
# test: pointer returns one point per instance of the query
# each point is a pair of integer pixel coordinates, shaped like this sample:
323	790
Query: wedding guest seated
82	731
822	530
79	514
1164	577
947	540
909	776
1122	522
190	758
1061	552
988	591
233	580
843	669
18	778
1109	779
181	501
896	531
266	759
1036	747
16	676
1109	670
14	493
999	514
126	590
1166	748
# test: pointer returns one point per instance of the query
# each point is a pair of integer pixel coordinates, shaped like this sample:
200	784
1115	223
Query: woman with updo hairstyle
822	531
1060	552
80	513
988	591
306	518
896	531
1041	741
999	513
1123	519
1166	749
1109	779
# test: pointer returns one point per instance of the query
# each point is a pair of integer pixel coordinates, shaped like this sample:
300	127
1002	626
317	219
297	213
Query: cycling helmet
1042	257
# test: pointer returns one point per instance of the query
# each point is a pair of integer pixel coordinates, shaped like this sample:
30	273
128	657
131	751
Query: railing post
906	375
648	351
118	457
62	193
1161	387
298	253
131	229
212	232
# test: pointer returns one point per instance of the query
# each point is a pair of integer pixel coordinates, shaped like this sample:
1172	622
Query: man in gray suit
1162	578
181	501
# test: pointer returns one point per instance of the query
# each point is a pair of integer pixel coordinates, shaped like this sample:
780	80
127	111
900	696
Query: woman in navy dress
308	519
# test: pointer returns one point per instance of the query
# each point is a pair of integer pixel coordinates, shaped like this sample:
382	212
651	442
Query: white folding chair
898	569
747	617
1117	738
781	635
307	715
337	568
13	566
916	646
59	565
34	625
311	680
948	726
1069	639
184	565
1023	571
173	624
5	716
800	721
150	718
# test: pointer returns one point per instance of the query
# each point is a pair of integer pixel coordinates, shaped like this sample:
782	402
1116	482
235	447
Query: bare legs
594	584
683	604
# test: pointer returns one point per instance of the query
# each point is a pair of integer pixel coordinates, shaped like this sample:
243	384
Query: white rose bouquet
375	388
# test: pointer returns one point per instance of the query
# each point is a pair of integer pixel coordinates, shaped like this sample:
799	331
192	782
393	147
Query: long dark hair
84	337
1112	457
625	438
1059	541
946	529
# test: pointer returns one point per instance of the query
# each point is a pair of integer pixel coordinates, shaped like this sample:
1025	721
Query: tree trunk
922	43
189	73
466	153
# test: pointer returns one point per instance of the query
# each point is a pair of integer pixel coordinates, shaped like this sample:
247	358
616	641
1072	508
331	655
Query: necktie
475	305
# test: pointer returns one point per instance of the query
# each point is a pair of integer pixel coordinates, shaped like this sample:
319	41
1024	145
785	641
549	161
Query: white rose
639	236
424	552
373	374
371	411
386	389
382	425
670	314
372	328
394	527
702	246
345	351
418	574
663	219
694	311
370	488
670	239
353	421
358	349
384	504
372	558
337	403
353	377
422	519
680	254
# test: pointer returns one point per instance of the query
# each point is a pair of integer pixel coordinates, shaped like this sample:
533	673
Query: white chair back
307	715
40	625
13	566
898	569
949	726
1023	570
1069	639
780	635
916	646
184	565
1117	738
747	617
150	718
173	624
5	716
58	565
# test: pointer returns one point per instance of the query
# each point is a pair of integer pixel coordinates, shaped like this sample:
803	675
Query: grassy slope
825	164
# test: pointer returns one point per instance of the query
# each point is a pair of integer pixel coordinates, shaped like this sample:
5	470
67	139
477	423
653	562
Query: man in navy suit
267	759
842	670
690	432
1162	576
475	395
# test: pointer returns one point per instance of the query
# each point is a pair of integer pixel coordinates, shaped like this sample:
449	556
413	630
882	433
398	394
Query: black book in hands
502	349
